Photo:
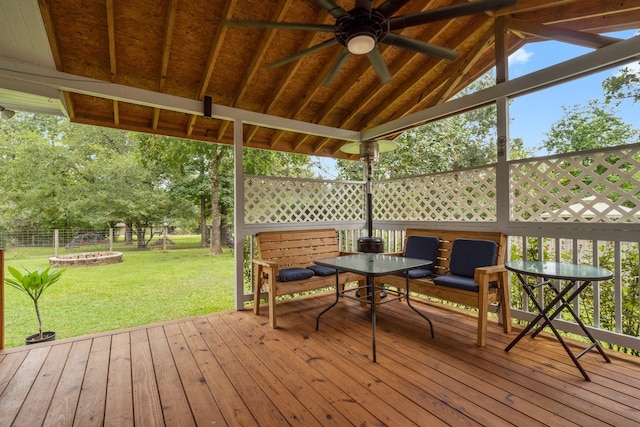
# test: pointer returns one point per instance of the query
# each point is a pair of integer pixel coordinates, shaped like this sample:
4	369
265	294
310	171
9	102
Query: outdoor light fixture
369	152
361	44
6	114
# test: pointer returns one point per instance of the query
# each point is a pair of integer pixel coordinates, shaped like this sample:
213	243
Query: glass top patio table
559	270
573	279
372	265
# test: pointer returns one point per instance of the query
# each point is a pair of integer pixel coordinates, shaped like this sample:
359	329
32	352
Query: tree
60	175
624	85
588	127
203	172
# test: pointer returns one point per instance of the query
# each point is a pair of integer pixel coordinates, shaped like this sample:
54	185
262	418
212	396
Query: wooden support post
1	298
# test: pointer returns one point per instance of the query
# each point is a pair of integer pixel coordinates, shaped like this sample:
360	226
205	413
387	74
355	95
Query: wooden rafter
166	50
256	60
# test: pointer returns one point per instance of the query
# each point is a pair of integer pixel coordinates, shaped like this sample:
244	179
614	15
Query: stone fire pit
84	259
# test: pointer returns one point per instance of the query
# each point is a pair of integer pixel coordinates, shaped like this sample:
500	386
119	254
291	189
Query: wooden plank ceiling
182	48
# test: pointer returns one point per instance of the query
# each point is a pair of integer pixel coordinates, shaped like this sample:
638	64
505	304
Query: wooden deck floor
231	369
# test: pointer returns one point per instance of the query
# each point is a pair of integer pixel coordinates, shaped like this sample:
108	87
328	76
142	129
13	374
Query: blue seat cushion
289	274
469	254
321	270
422	247
416	273
459	282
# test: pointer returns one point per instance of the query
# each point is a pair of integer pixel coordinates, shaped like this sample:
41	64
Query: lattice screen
467	195
280	200
591	187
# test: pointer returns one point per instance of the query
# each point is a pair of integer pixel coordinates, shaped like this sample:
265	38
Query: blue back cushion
289	274
423	247
468	254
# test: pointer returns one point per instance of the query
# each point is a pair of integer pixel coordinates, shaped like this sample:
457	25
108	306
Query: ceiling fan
360	30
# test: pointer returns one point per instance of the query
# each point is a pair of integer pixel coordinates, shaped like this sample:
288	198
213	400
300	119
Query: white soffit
24	40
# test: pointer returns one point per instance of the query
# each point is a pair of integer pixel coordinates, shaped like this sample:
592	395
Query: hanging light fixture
369	152
6	114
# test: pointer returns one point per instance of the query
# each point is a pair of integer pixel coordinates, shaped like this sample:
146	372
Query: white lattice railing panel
466	195
582	187
284	200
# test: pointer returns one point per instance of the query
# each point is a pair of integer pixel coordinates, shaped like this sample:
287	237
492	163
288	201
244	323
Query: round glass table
572	279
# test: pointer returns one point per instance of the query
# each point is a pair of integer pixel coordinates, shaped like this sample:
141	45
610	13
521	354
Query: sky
533	115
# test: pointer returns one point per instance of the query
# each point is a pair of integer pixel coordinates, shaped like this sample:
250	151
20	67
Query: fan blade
390	7
336	67
281	25
446	12
419	46
323	45
364	4
378	64
331	7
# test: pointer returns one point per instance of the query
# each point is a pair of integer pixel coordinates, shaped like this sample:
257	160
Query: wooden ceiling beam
279	91
550	32
214	53
458	70
257	58
164	62
573	11
50	29
432	85
113	70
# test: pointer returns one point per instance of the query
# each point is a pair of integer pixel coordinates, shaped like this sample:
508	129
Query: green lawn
148	286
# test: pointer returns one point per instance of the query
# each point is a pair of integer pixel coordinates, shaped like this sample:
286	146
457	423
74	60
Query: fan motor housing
360	21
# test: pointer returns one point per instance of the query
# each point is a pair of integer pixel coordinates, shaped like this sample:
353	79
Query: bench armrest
491	270
266	266
263	262
491	273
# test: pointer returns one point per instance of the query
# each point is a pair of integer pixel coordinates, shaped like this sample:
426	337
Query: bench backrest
297	248
441	265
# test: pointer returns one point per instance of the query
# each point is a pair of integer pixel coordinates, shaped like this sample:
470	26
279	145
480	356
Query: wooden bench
491	280
280	251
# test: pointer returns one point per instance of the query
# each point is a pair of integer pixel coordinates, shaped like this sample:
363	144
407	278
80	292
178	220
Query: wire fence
68	238
28	243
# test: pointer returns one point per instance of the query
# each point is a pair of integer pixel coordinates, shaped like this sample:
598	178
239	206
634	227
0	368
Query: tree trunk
128	233
203	222
216	247
140	232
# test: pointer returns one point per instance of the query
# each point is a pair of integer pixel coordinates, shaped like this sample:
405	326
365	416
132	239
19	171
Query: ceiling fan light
361	44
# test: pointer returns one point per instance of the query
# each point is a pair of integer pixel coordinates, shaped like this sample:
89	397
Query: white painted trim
46	77
238	215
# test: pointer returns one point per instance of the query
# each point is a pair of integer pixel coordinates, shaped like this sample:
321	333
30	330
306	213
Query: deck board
231	368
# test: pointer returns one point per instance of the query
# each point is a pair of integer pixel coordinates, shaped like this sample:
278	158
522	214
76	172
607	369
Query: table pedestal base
368	295
559	303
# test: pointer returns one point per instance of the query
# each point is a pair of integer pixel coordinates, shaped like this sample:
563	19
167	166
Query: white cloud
520	56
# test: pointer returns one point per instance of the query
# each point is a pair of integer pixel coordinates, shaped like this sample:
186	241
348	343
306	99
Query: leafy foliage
595	125
62	175
624	85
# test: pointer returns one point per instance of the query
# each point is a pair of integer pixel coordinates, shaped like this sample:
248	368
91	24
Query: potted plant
34	283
